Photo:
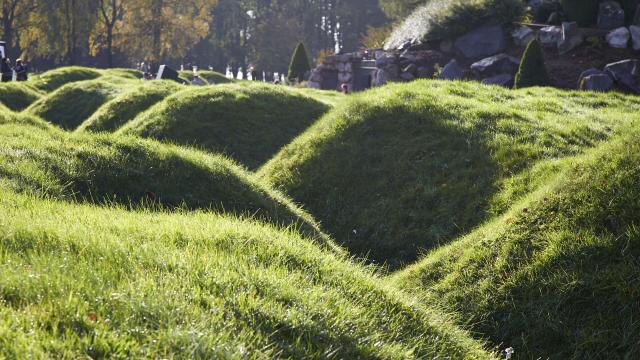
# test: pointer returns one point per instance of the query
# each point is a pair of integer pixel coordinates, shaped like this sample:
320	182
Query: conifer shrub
299	63
533	71
584	12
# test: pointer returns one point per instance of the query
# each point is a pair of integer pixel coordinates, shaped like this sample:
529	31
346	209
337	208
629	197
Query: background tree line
259	33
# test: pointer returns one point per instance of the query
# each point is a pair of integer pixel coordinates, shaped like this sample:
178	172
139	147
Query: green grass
135	172
17	96
72	104
123	73
54	79
128	105
448	19
248	122
558	275
82	281
212	77
407	167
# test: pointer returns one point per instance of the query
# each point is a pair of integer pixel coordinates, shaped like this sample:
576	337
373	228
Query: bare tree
111	11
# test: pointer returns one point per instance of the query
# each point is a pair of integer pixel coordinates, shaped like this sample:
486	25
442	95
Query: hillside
556	276
128	105
72	104
54	79
248	122
407	167
17	96
212	77
137	173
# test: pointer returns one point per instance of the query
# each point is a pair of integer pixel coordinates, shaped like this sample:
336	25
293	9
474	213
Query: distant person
197	81
7	72
21	70
345	89
276	82
254	75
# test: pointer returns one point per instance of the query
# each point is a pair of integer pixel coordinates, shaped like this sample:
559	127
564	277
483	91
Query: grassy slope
54	79
121	284
131	171
558	276
128	105
248	122
17	96
448	19
411	166
72	104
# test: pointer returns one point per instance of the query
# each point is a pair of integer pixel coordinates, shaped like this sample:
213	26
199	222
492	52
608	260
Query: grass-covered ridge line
248	122
128	105
411	166
447	19
17	96
127	284
212	77
133	172
54	79
558	275
70	105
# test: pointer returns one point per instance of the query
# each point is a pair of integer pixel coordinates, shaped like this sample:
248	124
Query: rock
598	82
451	71
625	73
550	35
482	42
505	80
446	46
635	36
610	16
636	17
410	69
618	38
424	72
555	18
522	36
498	64
571	37
404	46
589	72
406	76
313	85
389	73
384	59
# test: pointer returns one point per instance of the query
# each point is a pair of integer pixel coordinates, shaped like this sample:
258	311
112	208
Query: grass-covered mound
54	79
17	96
80	281
558	276
123	73
136	172
249	123
447	19
128	105
212	77
74	103
410	166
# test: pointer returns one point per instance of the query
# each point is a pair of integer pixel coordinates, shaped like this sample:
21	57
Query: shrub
584	12
533	71
299	63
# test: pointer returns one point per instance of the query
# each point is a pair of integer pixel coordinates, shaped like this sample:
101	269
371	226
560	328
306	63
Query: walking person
7	72
21	70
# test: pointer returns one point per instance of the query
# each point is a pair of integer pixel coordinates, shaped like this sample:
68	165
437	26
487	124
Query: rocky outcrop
571	37
625	73
611	15
451	71
618	38
482	42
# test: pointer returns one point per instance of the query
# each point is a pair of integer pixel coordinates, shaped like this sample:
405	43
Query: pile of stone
624	73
